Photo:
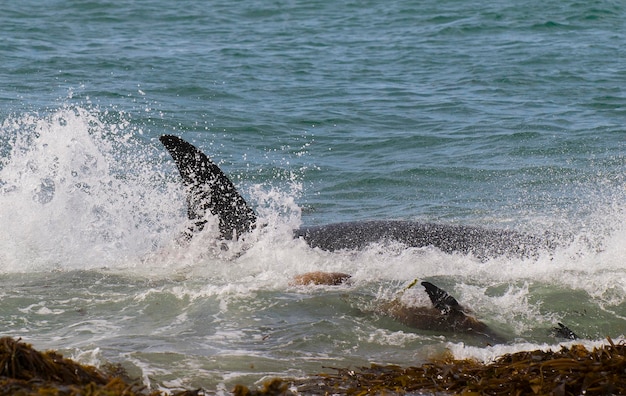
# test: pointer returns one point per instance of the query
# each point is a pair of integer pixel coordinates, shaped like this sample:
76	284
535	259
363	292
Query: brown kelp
26	371
572	370
569	371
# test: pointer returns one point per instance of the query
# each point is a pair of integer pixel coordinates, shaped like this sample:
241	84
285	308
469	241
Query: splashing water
79	193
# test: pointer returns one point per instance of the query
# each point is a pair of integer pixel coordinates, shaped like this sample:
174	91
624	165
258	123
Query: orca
445	315
208	189
564	332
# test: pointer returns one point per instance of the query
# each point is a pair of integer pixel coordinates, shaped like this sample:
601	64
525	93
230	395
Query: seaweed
569	371
272	387
26	371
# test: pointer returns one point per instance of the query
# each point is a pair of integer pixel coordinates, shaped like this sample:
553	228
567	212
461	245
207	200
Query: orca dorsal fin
441	299
209	188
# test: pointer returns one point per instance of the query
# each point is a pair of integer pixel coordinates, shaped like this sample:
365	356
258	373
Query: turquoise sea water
496	114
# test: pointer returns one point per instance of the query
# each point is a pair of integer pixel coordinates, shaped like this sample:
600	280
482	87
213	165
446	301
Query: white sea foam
79	193
491	353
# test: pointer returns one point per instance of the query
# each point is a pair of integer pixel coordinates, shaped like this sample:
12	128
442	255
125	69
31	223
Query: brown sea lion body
445	314
320	278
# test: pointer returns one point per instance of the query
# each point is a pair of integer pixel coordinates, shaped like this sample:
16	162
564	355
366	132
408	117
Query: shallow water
462	113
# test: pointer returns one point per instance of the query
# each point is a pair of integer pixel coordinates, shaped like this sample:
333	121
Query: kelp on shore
569	371
26	371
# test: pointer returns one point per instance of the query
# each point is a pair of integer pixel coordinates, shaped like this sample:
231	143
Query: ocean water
499	114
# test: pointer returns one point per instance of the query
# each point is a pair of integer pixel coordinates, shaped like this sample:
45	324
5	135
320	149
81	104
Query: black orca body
208	188
481	242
